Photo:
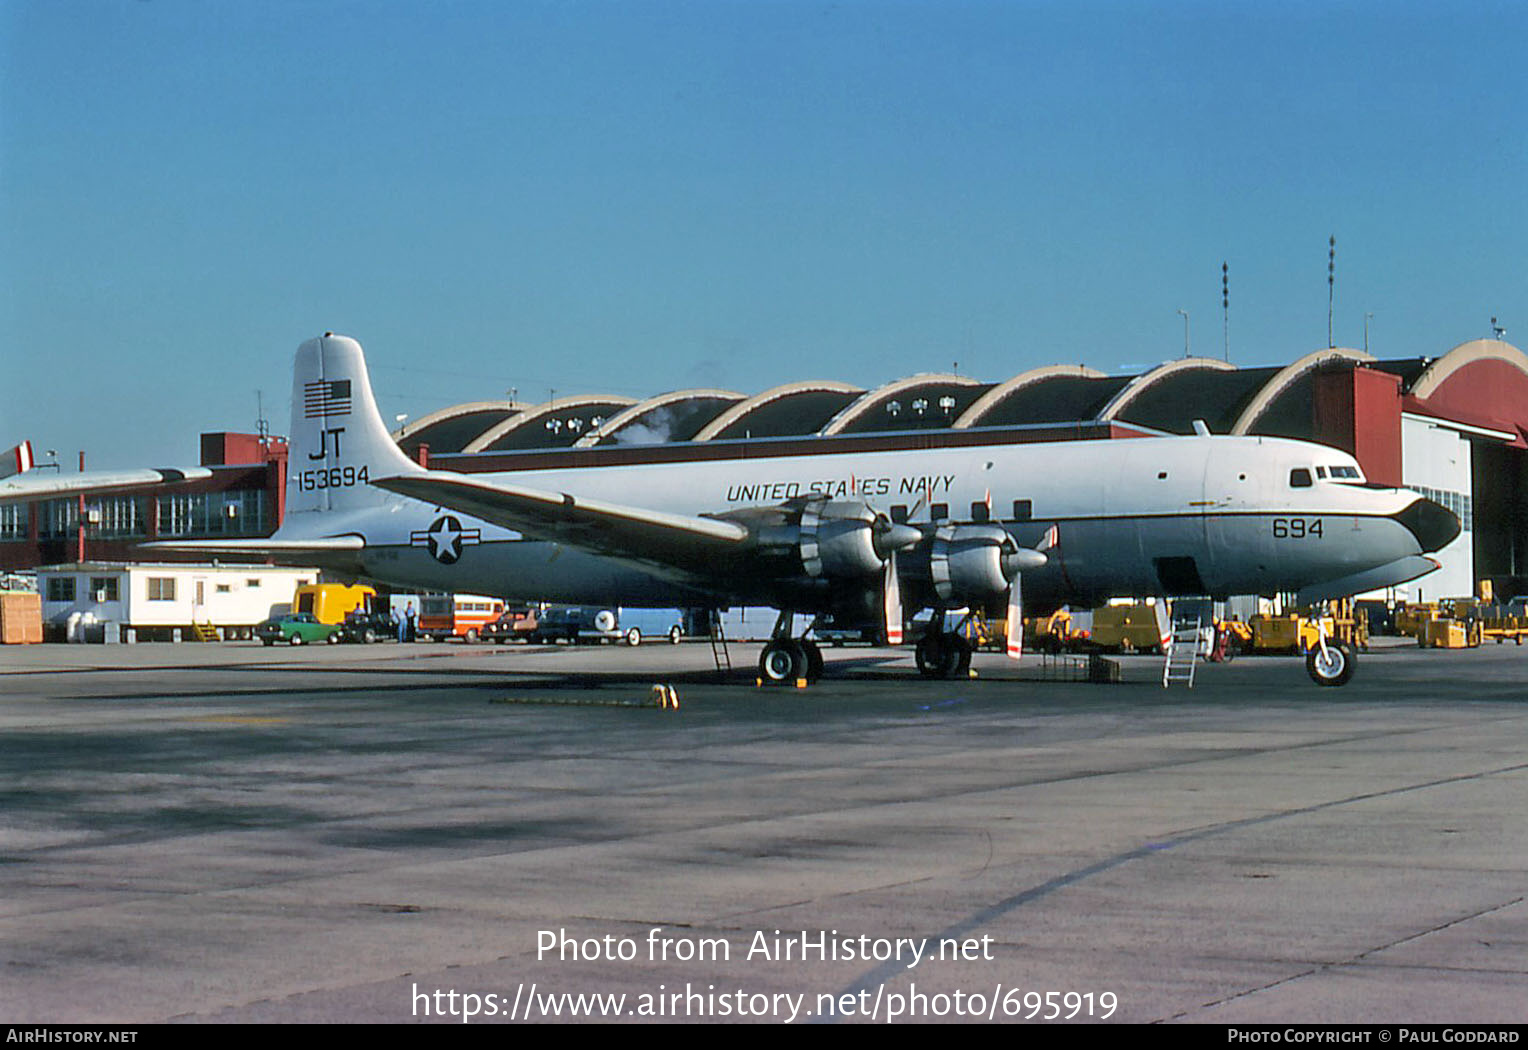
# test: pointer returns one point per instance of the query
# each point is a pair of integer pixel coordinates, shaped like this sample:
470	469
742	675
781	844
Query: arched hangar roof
1260	412
452	429
551	424
788	410
985	410
873	411
668	417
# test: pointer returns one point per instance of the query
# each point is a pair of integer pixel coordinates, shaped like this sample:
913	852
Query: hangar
1454	427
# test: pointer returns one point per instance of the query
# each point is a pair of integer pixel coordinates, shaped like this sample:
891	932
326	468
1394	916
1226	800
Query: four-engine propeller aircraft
859	535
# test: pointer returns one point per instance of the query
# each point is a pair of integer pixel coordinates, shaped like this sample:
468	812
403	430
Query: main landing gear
942	654
787	660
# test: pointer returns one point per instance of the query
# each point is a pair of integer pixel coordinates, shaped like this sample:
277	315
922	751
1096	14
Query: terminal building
1453	427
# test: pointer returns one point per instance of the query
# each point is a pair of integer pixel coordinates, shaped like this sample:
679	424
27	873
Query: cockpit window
1320	472
1350	473
1299	478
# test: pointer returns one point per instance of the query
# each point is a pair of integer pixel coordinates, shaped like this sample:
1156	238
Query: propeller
891	601
888	537
1015	623
1015	619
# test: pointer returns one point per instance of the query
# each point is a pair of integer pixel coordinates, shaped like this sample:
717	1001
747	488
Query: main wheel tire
813	660
782	662
943	655
634	637
1335	667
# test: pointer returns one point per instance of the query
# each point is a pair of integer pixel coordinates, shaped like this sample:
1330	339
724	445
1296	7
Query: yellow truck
329	602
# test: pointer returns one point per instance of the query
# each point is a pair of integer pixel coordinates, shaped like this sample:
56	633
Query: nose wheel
1332	664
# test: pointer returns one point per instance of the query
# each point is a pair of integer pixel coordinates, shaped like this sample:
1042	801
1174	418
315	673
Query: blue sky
636	197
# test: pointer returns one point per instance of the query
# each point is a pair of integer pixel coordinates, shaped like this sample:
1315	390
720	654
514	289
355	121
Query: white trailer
136	602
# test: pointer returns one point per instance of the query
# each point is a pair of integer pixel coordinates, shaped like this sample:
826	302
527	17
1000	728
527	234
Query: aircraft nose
1433	524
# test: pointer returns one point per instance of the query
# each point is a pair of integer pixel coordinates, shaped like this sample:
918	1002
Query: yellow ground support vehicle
329	602
1128	628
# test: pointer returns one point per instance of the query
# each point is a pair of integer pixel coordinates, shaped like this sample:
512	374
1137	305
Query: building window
13	521
103	588
60	588
238	512
58	519
122	516
161	588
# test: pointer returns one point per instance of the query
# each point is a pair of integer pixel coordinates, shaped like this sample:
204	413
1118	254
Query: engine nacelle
826	539
968	564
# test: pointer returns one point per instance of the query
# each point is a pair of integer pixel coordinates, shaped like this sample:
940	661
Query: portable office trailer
112	600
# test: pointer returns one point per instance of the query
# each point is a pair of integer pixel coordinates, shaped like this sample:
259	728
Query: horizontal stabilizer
285	548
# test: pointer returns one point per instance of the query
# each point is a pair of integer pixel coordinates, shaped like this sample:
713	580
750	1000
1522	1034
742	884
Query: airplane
864	536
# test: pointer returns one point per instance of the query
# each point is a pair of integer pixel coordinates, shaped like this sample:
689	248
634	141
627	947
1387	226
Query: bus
463	616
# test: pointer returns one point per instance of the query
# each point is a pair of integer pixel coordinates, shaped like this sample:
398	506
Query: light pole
1185	332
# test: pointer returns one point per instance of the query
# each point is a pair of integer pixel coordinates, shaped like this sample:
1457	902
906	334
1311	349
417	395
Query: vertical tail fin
338	440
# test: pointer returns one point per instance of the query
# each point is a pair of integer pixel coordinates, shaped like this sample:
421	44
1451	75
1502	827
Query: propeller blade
1015	619
891	599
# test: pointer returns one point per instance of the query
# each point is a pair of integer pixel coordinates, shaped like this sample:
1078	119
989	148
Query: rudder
338	441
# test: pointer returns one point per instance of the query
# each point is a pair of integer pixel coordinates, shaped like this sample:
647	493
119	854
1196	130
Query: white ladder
1188	616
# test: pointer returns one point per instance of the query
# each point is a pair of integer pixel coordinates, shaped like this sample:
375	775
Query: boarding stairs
1189	617
204	632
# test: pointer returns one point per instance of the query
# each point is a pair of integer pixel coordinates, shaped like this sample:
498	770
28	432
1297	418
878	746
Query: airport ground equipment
1189	618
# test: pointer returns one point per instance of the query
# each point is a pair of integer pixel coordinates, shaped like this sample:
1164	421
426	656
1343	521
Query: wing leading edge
676	541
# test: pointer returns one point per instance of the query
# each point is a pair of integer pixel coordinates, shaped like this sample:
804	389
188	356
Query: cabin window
899	513
106	586
1023	509
939	511
1299	478
161	588
980	512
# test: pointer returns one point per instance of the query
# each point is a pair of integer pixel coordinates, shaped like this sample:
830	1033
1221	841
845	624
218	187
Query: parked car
363	626
296	629
584	624
513	625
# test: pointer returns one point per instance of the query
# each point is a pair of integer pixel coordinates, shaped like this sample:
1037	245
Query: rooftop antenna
1497	331
1185	332
262	425
1225	306
1331	281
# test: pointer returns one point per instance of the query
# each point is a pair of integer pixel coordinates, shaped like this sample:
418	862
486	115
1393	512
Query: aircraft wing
323	545
32	485
681	541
